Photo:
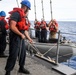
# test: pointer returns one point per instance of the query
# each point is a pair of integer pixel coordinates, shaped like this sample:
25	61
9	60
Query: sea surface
68	30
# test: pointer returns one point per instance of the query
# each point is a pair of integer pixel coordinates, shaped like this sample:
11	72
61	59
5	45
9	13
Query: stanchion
57	52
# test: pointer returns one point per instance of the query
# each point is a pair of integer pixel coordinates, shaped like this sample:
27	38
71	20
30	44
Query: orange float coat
6	24
43	25
52	27
21	24
37	25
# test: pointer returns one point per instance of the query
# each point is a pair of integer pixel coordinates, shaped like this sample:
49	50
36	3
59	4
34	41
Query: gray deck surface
35	65
65	69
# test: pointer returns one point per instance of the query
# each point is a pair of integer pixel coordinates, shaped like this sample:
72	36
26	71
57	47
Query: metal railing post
57	52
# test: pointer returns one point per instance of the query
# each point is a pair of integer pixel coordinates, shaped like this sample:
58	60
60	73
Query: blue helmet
26	3
2	13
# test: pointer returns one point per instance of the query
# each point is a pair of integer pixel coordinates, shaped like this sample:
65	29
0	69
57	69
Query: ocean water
69	27
68	30
71	62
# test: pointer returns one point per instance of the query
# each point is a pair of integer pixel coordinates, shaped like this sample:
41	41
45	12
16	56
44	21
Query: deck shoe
7	73
3	55
23	70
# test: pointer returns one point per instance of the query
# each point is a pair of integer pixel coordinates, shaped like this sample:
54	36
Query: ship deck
35	65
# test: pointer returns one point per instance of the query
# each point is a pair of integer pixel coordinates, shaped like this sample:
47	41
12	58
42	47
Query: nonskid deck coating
35	65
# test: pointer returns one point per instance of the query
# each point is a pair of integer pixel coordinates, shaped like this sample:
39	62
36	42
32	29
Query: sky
63	10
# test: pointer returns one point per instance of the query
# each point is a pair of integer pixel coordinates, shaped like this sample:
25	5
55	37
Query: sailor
53	27
43	31
18	31
37	29
3	33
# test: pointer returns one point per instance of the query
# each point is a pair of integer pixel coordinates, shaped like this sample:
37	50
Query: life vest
3	26
37	25
6	24
21	24
52	28
43	25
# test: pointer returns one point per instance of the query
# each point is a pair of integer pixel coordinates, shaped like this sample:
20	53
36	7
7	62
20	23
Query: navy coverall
14	47
2	37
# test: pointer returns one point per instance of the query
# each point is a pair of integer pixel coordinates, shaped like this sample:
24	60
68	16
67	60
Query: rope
50	49
42	9
51	9
34	47
17	3
35	9
20	52
47	51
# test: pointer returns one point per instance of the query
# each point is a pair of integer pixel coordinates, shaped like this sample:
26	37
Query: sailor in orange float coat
43	31
37	29
18	31
3	33
53	27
